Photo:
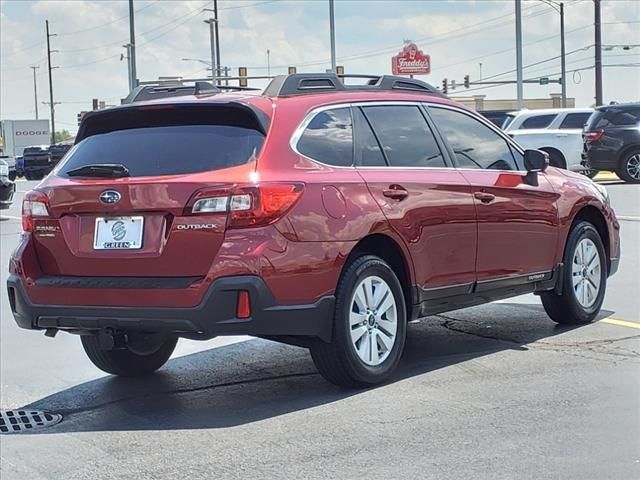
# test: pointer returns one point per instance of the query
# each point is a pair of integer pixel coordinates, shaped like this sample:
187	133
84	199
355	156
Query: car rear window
166	143
614	117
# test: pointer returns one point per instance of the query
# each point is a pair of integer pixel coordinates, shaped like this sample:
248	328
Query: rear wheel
584	278
142	354
629	168
369	326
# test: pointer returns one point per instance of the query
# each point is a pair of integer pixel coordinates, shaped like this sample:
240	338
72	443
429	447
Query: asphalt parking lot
497	391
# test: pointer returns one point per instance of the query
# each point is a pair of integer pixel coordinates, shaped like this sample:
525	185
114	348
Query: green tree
63	135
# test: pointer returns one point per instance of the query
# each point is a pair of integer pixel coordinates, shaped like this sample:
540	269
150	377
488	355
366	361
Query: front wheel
369	326
142	355
629	168
584	278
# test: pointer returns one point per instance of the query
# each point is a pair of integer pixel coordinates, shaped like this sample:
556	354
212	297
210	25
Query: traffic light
242	73
453	84
467	82
80	115
445	86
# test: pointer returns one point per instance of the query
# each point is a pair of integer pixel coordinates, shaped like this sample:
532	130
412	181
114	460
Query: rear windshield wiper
103	170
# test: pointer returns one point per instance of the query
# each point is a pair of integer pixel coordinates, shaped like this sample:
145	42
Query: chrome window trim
297	133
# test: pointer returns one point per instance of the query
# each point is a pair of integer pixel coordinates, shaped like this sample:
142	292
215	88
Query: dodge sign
411	61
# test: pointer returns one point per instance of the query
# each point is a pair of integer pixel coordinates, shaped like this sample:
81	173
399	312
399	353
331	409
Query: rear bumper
215	315
601	159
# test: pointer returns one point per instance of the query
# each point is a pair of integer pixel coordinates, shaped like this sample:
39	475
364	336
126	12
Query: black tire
590	173
338	361
29	176
629	167
565	308
12	176
126	363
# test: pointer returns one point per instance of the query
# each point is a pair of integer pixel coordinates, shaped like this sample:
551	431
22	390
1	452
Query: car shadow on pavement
257	379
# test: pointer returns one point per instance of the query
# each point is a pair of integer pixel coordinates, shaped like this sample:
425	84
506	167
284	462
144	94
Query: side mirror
535	161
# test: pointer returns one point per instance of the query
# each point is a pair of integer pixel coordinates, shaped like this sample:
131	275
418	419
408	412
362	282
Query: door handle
485	197
396	192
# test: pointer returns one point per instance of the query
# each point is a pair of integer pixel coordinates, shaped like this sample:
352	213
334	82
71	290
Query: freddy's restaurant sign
411	61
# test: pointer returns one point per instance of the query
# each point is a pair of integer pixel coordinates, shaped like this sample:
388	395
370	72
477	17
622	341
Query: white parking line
628	218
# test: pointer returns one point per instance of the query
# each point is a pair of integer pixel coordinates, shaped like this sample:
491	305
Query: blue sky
457	34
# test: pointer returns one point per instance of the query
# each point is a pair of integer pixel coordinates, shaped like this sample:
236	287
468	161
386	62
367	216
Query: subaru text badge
110	197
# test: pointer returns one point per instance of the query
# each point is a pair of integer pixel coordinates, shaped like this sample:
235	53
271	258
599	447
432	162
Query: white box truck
15	135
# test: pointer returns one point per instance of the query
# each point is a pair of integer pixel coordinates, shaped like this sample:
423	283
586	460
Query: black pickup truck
40	160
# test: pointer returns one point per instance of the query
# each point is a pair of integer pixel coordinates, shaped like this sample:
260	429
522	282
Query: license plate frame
118	237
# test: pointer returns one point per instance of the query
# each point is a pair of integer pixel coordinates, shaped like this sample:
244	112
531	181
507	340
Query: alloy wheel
373	318
585	271
633	166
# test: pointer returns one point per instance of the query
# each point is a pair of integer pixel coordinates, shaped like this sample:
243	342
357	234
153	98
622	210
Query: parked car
551	118
7	186
564	147
497	117
330	225
39	160
612	141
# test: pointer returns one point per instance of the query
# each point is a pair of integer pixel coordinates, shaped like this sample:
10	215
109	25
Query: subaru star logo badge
110	197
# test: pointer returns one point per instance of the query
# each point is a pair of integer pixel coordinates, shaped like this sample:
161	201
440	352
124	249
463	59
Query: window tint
368	151
617	118
169	150
329	138
406	138
538	121
575	120
474	144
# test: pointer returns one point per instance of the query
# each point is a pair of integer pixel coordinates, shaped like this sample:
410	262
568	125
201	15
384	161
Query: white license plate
118	233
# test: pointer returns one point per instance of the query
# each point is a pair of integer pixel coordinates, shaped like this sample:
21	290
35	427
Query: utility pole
51	102
598	45
520	93
268	62
212	38
215	16
133	76
332	29
128	57
35	88
563	60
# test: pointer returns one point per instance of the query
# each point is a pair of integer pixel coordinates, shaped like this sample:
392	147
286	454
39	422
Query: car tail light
248	206
34	205
594	136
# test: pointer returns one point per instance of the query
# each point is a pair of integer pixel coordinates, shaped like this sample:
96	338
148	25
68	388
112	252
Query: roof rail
312	83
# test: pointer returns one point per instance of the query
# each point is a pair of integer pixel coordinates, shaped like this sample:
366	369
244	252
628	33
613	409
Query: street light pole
212	22
519	75
35	88
215	16
332	31
563	61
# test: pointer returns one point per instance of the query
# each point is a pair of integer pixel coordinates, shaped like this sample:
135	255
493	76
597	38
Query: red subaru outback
316	213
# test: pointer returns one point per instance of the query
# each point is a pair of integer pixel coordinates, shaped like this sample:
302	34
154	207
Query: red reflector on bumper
243	309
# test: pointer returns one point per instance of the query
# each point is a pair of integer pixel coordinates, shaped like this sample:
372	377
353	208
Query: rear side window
575	120
171	141
329	138
407	140
474	144
538	121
